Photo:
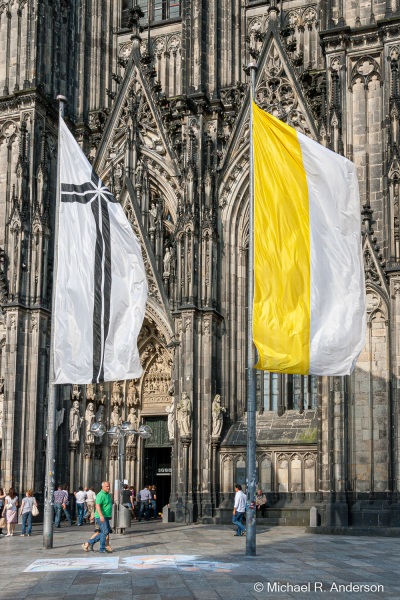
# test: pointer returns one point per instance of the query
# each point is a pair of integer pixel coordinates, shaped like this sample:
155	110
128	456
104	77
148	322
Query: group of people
142	504
239	508
9	508
85	500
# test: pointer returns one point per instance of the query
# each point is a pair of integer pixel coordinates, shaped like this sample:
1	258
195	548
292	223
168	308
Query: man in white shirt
90	504
239	510
80	496
145	500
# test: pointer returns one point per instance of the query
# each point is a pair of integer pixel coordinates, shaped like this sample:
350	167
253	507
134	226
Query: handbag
9	505
2	522
35	511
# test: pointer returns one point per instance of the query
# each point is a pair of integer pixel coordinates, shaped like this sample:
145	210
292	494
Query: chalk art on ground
182	562
73	564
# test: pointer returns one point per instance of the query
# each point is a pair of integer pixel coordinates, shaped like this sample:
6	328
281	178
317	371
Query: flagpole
251	373
52	406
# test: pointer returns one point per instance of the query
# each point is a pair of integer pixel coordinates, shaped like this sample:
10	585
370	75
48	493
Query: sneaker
237	535
102	552
22	535
29	534
243	532
8	535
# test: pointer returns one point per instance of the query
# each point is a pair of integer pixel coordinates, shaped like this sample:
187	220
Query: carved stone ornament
276	94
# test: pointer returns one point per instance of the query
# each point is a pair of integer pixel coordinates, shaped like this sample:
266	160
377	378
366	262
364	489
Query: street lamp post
120	432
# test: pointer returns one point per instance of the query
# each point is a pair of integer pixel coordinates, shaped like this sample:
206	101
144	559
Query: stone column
87	470
215	442
187	517
73	446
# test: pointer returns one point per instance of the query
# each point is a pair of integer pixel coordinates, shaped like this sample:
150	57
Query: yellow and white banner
309	294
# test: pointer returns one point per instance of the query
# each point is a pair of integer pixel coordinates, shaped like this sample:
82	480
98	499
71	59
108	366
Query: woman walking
10	511
2	497
26	512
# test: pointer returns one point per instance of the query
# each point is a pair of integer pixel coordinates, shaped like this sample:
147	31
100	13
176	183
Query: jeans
57	510
144	508
80	509
104	531
237	520
27	521
154	507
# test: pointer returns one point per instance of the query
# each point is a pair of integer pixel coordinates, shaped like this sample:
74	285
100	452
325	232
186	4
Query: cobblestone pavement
155	561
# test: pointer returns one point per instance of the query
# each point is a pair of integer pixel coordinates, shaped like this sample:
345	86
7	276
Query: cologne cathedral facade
158	98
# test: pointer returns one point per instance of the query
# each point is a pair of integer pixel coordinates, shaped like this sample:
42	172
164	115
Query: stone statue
99	414
133	419
139	173
118	177
217	416
90	418
184	414
170	409
133	396
75	421
75	394
153	217
167	262
90	392
103	396
115	419
116	393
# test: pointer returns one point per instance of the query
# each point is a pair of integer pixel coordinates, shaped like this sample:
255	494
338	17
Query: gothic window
160	10
166	9
126	7
298	392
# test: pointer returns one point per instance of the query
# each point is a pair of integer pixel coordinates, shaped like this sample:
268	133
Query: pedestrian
10	511
239	510
102	516
90	504
126	497
81	497
153	501
61	501
145	500
133	501
2	497
261	503
27	505
68	506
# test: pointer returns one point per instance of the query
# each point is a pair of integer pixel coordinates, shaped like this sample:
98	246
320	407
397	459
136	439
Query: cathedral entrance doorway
157	460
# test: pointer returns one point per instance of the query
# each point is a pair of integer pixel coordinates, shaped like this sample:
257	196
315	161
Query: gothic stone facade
163	114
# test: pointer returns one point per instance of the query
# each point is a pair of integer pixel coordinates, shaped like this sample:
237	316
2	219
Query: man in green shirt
102	516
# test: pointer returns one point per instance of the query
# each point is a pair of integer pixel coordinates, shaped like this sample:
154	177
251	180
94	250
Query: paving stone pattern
284	554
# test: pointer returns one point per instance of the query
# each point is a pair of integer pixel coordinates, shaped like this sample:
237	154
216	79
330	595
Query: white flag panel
101	288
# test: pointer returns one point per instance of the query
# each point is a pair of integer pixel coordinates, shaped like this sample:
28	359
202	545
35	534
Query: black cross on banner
95	191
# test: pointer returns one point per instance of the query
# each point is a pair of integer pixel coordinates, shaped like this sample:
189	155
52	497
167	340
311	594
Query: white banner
101	289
